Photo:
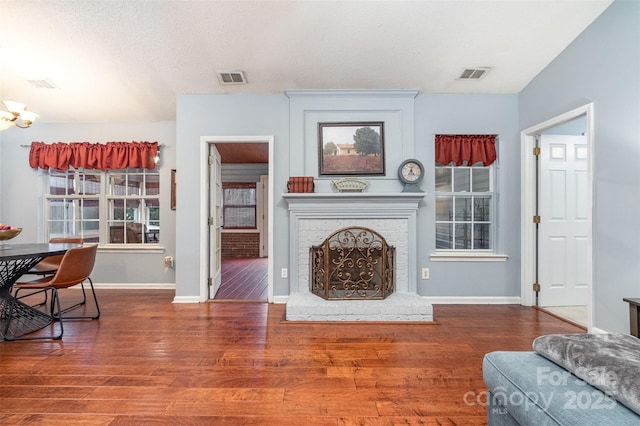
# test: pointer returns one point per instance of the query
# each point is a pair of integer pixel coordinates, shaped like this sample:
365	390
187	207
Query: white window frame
104	201
241	185
456	254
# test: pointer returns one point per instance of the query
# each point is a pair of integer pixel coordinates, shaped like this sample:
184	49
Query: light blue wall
577	126
19	193
472	114
201	115
296	154
603	66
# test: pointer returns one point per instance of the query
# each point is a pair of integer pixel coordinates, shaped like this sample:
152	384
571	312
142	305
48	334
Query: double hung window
239	205
465	198
464	208
107	207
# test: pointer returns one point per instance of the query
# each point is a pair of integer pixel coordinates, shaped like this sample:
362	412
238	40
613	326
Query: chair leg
44	302
69	308
55	311
95	298
54	295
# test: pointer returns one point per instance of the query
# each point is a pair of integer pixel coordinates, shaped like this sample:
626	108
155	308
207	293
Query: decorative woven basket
350	184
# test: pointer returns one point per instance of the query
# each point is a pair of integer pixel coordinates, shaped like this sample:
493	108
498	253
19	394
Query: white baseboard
481	300
186	299
135	286
280	299
462	300
436	300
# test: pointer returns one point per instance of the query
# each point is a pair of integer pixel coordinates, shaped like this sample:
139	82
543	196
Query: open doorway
557	194
244	232
239	200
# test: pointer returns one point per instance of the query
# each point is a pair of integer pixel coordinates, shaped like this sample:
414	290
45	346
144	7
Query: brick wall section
241	244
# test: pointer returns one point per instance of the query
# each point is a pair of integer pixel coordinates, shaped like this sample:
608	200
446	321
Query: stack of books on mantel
300	184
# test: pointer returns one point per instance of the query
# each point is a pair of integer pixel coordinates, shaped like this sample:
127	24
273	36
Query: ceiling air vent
42	83
473	73
231	77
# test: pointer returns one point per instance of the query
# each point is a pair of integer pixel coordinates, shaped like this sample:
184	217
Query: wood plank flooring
244	278
148	361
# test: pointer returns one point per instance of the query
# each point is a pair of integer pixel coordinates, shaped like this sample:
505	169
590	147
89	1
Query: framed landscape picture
351	148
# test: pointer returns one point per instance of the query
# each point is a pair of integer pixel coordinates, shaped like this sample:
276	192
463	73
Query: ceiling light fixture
16	115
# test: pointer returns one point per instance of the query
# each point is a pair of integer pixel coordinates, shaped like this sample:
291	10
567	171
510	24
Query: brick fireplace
314	216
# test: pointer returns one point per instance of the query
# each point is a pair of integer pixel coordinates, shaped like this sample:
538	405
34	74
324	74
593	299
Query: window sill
130	248
467	257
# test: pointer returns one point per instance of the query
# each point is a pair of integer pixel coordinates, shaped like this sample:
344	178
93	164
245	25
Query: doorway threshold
576	315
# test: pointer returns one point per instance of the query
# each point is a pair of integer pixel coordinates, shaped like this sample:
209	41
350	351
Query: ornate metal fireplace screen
353	263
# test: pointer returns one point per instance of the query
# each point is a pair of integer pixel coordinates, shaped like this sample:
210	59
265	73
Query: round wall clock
411	173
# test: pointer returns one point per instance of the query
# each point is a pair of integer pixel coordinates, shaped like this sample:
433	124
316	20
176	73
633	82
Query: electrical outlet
168	262
425	273
283	273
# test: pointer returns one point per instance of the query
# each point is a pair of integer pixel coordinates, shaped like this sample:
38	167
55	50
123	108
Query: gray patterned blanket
609	362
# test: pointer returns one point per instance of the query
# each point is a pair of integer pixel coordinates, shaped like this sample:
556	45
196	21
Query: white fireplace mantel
297	200
313	216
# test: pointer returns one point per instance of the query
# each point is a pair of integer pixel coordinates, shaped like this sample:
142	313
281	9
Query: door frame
528	189
205	141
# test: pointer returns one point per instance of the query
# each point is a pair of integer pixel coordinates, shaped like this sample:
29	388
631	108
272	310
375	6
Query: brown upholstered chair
49	265
75	268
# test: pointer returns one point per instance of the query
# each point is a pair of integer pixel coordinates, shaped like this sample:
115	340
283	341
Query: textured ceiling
116	61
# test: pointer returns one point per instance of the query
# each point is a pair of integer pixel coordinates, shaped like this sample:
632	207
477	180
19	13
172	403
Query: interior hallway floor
244	278
576	314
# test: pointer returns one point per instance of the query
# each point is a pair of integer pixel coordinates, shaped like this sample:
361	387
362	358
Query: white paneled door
564	214
215	221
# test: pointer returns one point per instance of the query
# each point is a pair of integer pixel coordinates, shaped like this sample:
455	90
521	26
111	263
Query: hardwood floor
149	361
244	278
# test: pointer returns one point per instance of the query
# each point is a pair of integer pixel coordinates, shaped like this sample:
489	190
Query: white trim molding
468	257
135	286
186	299
205	141
528	207
471	300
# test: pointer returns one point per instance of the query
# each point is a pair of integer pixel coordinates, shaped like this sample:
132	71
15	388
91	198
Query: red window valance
471	149
96	156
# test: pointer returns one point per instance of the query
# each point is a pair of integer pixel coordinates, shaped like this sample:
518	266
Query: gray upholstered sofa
548	386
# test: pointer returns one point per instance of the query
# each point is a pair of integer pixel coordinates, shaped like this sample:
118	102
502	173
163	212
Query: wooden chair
75	268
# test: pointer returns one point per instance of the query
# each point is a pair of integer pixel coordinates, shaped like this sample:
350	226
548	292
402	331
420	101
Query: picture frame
351	148
173	189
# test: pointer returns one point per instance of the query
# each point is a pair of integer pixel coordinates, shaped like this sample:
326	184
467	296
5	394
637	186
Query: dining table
18	318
